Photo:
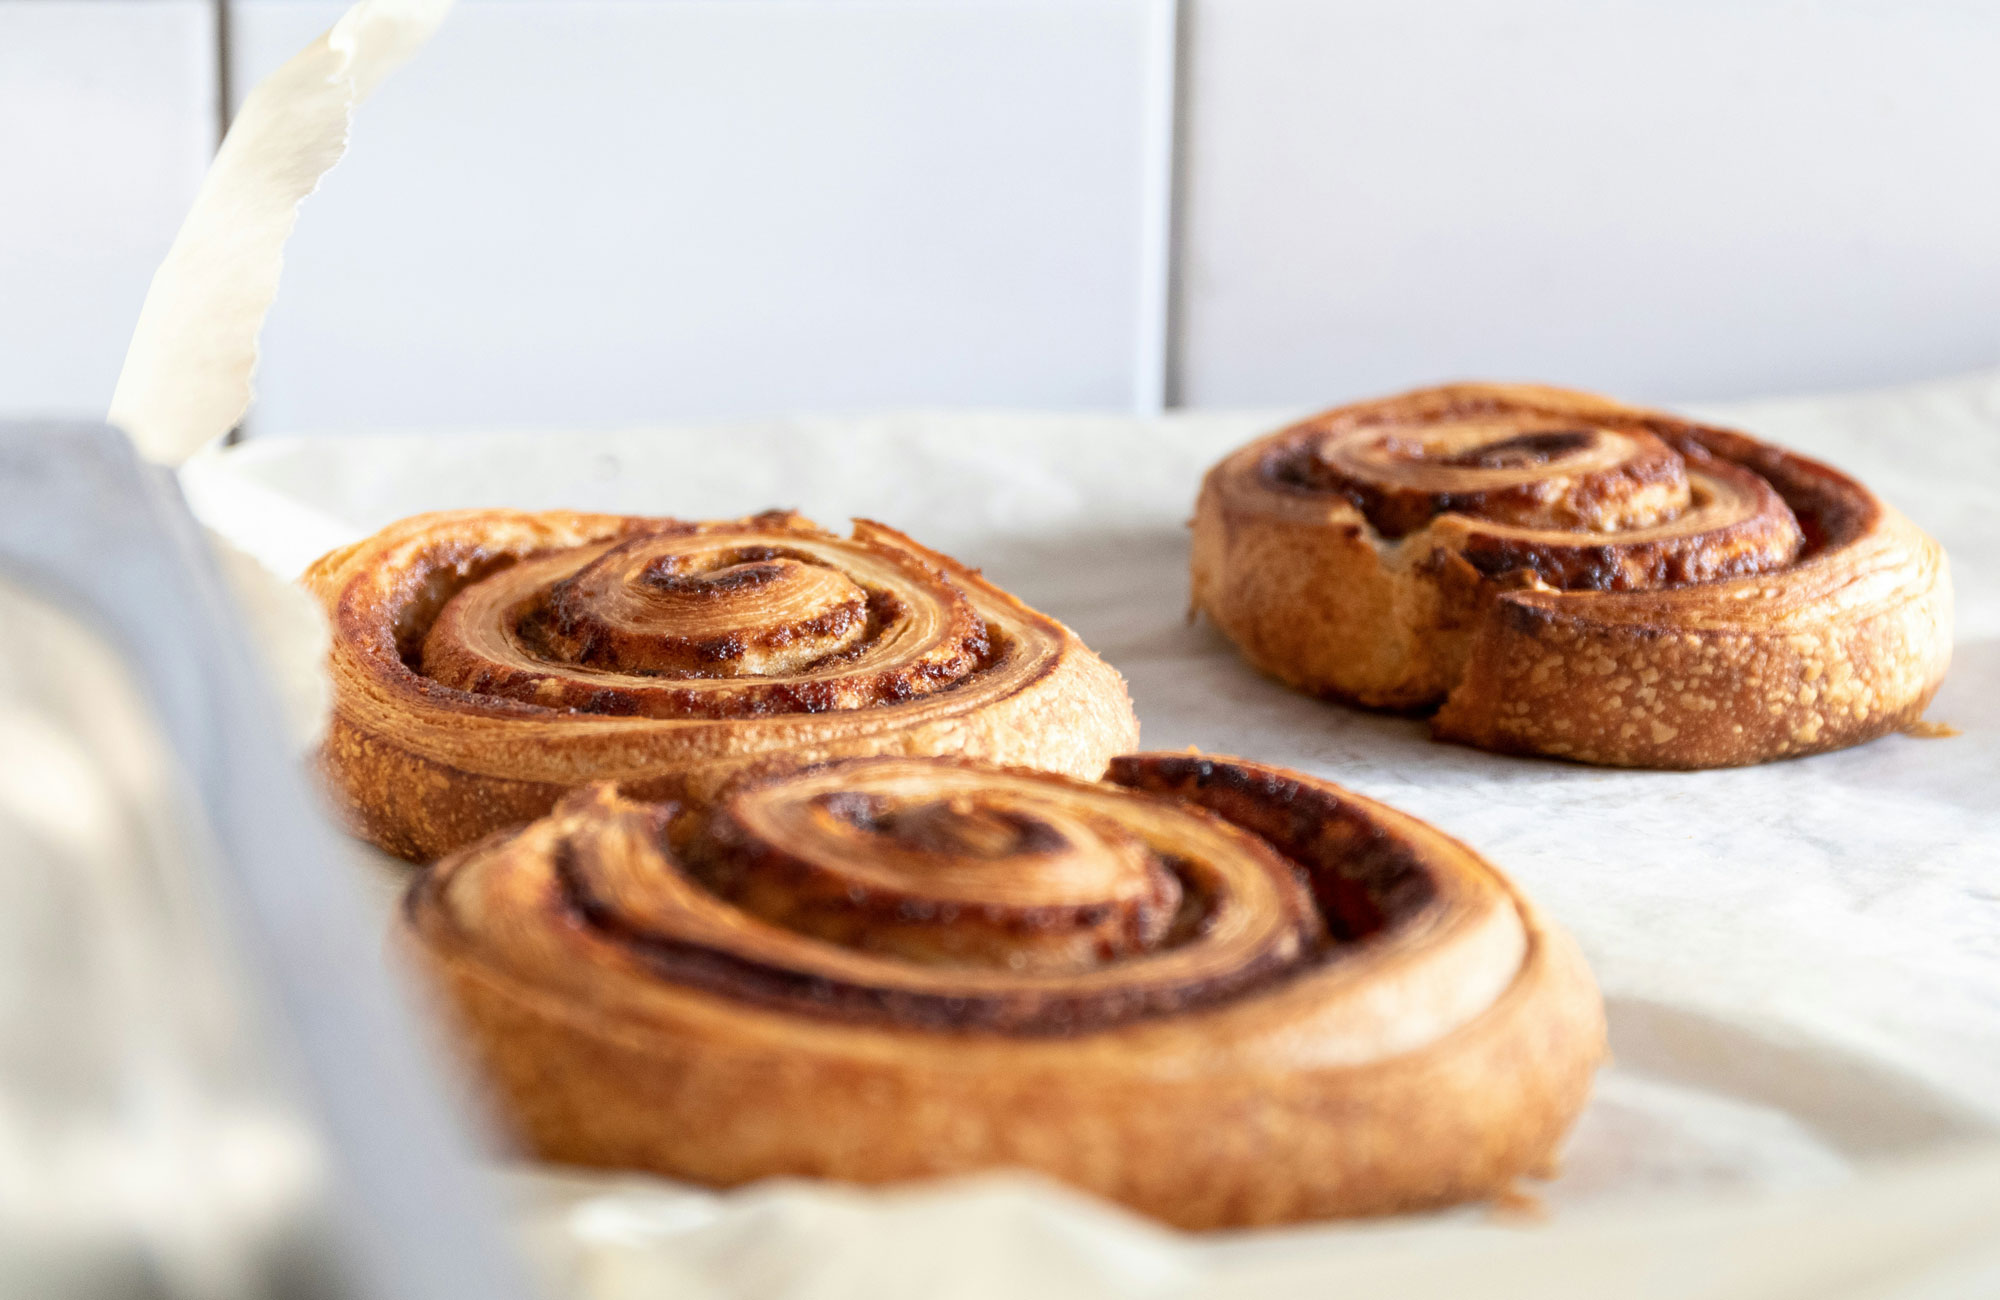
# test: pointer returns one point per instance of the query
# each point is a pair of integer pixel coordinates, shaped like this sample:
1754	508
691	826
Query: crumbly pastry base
1845	645
1434	1064
418	768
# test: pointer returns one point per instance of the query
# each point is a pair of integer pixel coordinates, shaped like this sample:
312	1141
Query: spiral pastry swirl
485	662
1221	993
1555	573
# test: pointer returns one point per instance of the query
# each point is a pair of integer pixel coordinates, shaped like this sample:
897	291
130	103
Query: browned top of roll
561	647
1585	495
720	622
926	896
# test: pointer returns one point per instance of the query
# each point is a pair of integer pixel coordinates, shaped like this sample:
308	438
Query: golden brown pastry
1221	993
1555	573
486	661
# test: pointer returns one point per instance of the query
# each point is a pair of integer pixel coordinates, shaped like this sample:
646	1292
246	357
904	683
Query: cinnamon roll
1220	993
1555	573
487	661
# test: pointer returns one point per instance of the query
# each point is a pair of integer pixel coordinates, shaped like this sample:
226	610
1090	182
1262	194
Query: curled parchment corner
188	372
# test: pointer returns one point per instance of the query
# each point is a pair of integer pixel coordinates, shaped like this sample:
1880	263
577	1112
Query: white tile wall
570	212
1664	198
107	119
602	211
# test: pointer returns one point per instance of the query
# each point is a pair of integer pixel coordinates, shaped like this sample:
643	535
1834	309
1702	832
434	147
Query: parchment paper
187	374
1802	960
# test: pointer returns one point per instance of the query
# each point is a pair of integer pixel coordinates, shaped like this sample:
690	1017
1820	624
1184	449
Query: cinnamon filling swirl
958	898
672	624
1591	508
485	662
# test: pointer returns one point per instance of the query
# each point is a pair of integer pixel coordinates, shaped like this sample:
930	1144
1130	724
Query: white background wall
108	113
614	212
588	212
1662	198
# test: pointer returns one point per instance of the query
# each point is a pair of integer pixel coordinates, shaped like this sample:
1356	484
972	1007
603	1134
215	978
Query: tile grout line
1153	380
225	82
1174	328
225	108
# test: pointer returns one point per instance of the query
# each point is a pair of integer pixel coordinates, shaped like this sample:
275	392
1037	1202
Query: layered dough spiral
1555	573
1221	993
487	661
